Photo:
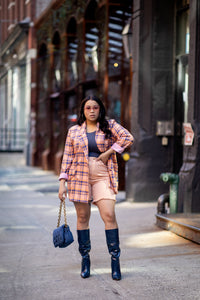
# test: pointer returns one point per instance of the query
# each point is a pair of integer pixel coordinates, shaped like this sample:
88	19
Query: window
56	63
43	71
91	42
72	47
118	63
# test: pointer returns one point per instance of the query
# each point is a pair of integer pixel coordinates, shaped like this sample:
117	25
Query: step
185	225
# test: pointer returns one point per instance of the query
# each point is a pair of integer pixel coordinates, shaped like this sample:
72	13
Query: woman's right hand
62	194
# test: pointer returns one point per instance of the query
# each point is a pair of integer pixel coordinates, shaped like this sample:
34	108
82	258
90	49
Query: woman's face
91	110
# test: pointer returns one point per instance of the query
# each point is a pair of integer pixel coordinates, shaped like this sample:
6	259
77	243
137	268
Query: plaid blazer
75	168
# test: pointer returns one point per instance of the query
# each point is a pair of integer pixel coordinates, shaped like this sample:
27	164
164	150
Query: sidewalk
156	264
185	225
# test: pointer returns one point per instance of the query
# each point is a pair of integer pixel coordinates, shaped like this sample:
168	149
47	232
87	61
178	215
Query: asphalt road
156	264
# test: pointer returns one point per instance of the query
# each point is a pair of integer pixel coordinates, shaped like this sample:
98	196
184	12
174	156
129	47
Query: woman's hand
105	156
62	194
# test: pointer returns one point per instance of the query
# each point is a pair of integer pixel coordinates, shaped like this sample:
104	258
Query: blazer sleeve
68	156
123	138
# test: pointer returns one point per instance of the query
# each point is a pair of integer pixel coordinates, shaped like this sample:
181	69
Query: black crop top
92	145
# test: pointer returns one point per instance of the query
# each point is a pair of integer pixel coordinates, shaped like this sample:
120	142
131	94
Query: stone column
152	98
189	187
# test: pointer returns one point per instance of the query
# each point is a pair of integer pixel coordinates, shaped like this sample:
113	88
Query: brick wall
41	5
15	11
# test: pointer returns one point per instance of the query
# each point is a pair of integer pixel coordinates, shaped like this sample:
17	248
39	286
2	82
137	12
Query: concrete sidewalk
156	264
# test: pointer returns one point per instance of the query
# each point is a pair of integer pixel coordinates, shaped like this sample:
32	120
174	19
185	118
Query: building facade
165	101
141	57
80	52
17	73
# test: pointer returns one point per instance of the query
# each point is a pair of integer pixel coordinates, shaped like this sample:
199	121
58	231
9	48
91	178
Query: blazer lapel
84	140
100	140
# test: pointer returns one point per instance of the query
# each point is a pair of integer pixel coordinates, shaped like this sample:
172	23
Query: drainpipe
162	201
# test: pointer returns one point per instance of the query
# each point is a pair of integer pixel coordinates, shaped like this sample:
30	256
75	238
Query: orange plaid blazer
75	168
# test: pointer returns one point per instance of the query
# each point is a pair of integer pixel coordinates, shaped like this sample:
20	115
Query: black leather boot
84	249
112	238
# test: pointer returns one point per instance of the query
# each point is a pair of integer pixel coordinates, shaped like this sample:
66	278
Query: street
156	264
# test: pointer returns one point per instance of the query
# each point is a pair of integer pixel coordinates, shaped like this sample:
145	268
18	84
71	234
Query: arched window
56	80
91	41
43	70
72	47
42	111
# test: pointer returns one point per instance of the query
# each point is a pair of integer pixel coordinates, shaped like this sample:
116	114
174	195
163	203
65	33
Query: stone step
185	225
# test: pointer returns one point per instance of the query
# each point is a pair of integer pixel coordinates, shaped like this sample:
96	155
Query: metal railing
12	139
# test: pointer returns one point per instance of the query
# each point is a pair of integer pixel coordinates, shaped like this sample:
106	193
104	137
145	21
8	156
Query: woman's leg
107	211
83	233
83	215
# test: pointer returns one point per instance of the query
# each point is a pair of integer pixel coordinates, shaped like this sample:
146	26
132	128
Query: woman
90	168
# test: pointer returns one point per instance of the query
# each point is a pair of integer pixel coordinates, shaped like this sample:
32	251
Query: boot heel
115	266
85	270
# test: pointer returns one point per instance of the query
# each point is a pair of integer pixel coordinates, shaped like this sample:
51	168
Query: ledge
184	225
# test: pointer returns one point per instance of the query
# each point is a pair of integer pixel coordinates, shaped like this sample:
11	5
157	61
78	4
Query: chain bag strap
62	236
62	204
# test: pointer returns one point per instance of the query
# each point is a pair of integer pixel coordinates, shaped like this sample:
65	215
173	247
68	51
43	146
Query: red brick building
80	52
81	48
18	74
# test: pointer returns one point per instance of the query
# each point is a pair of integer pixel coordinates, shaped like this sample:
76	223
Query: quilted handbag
62	236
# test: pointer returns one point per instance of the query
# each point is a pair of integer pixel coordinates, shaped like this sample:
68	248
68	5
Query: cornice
17	33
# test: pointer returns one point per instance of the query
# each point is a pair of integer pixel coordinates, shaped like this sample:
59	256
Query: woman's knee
83	213
83	218
107	210
109	216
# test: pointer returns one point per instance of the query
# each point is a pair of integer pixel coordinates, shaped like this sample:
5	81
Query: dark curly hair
103	123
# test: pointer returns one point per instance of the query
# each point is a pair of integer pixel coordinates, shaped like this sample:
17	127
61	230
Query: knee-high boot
84	249
112	239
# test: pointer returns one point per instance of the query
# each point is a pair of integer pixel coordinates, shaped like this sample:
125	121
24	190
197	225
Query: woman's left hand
105	155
